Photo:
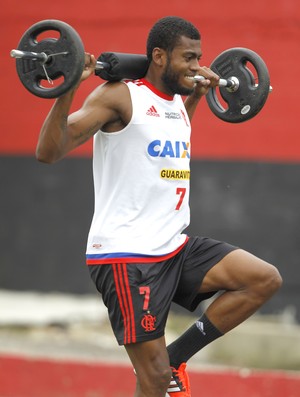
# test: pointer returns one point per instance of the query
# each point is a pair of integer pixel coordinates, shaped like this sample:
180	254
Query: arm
201	89
62	132
55	139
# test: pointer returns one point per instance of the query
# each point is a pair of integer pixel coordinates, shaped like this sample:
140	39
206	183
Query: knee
164	376
270	281
156	380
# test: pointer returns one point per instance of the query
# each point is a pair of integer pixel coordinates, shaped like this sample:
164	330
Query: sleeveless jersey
141	181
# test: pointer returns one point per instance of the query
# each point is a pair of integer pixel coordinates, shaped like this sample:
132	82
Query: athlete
138	255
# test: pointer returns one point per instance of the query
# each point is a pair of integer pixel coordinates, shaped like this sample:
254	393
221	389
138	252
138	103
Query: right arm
62	132
55	139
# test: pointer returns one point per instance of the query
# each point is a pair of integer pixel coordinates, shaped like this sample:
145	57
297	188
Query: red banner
48	377
270	28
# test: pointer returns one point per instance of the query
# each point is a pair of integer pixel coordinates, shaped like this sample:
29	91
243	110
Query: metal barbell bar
35	56
44	58
231	83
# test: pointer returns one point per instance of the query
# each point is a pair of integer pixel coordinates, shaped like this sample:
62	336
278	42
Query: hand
211	80
89	66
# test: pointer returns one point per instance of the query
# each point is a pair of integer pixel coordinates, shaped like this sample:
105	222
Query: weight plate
67	66
251	95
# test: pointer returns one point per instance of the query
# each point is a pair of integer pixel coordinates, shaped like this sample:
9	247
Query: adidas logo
173	387
183	115
152	112
200	326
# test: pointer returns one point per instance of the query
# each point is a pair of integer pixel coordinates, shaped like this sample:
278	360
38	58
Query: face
181	65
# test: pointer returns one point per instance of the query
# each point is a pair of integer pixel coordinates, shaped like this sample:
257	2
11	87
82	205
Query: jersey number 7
181	192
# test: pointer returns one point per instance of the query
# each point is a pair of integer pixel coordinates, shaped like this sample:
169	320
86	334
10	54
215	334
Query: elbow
45	157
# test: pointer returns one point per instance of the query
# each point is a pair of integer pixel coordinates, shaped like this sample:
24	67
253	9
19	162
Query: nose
195	65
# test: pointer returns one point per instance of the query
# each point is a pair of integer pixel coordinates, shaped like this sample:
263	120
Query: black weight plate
250	97
69	66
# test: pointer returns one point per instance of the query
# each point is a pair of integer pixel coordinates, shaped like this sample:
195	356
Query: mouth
190	78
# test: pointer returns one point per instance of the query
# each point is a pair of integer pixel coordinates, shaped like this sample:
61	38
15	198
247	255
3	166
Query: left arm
201	89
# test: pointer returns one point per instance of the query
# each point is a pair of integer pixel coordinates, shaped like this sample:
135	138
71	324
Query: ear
159	56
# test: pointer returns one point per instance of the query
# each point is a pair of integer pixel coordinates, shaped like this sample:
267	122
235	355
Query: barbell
43	60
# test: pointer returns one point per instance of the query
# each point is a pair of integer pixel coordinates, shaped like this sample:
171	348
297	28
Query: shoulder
110	92
111	105
110	97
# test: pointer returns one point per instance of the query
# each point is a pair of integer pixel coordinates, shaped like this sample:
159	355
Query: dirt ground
64	326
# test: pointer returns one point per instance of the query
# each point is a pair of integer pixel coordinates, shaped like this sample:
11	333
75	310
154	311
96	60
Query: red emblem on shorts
148	322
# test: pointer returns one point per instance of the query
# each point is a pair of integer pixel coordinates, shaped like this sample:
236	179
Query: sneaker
179	384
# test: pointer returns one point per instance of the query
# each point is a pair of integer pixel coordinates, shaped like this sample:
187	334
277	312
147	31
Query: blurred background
245	184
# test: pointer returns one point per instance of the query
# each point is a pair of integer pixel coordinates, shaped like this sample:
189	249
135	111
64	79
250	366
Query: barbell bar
50	58
42	57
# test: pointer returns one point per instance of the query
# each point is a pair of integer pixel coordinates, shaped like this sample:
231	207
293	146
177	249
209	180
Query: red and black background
245	177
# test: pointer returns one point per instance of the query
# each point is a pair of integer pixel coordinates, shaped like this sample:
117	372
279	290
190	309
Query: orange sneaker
179	384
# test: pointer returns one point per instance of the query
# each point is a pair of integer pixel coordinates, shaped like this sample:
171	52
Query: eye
191	57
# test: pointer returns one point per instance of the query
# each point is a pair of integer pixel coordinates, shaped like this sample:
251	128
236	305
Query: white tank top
141	182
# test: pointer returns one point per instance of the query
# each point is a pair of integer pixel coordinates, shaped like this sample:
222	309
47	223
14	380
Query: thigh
235	271
199	256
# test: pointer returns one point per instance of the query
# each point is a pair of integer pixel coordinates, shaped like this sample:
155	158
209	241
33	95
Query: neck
153	76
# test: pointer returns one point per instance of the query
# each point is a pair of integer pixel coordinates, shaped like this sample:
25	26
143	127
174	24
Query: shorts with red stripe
139	295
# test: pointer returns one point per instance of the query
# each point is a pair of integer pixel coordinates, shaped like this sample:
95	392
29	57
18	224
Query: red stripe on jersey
145	82
127	258
155	90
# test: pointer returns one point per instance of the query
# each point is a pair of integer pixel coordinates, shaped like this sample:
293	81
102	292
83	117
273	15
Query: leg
130	301
151	363
248	283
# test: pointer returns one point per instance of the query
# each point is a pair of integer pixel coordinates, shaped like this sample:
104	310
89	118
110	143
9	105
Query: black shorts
139	296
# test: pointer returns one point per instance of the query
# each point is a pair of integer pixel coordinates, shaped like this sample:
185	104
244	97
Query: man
138	255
